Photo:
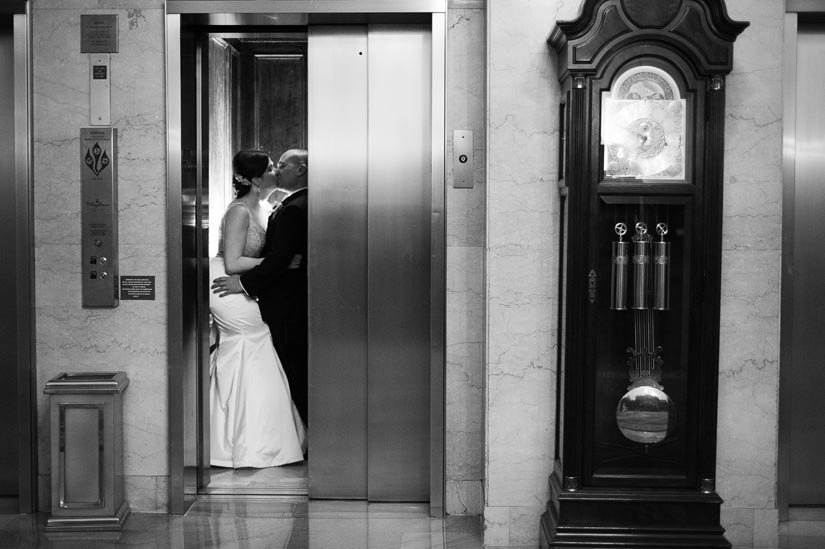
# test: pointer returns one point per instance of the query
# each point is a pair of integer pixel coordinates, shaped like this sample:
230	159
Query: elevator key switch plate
463	165
100	97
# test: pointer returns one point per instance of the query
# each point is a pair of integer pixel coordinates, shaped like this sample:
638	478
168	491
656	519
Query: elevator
18	493
801	476
363	91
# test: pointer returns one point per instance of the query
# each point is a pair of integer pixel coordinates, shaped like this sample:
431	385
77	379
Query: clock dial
643	126
643	138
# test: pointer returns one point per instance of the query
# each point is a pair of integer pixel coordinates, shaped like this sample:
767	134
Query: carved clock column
641	156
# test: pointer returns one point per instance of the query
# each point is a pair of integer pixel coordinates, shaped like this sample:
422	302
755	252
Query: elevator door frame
796	11
23	245
293	12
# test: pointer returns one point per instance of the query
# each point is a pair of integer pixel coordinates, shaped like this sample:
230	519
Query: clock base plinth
631	518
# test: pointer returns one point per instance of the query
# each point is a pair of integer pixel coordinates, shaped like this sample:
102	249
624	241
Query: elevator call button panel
98	212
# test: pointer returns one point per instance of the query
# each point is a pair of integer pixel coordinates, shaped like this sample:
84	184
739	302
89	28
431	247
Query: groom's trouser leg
292	348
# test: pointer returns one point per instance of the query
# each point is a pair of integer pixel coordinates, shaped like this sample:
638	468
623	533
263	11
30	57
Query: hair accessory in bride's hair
242	180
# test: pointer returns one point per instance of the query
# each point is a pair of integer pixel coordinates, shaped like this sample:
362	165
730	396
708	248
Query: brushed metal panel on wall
399	262
337	137
807	429
9	411
81	455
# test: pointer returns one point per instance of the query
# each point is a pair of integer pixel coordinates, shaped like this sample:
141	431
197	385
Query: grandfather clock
642	141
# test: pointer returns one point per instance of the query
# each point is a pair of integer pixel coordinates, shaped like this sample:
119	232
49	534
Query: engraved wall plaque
98	33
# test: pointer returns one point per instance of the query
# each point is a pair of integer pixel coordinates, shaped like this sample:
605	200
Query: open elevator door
407	221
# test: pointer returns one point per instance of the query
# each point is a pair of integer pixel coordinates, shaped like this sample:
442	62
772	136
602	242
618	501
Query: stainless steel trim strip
175	264
24	220
804	6
438	270
301	6
786	315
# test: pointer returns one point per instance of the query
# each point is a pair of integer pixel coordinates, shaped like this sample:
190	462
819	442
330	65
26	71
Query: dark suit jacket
282	292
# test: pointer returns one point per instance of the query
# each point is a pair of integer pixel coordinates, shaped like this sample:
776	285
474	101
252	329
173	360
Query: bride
253	420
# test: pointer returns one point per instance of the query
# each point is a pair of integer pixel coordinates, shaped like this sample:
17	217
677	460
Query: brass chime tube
618	276
641	262
661	276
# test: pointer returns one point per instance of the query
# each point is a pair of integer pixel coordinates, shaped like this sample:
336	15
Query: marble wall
522	214
521	263
132	337
751	271
466	70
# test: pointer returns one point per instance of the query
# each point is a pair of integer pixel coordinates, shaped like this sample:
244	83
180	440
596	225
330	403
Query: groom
279	282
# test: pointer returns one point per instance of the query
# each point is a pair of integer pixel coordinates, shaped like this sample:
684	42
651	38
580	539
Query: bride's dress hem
241	465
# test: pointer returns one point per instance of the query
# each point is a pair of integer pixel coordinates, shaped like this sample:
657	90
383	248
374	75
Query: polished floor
295	523
266	522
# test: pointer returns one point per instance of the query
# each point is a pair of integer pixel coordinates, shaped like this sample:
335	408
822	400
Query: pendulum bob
618	276
641	262
661	276
645	414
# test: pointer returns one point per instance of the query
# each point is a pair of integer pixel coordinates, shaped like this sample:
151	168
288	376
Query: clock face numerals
643	126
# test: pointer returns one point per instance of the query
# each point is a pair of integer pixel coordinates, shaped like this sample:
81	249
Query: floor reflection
295	523
286	480
231	521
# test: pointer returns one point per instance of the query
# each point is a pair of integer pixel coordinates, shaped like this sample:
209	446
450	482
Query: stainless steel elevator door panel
9	412
807	437
337	136
399	263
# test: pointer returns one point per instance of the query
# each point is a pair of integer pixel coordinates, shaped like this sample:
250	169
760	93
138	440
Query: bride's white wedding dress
253	420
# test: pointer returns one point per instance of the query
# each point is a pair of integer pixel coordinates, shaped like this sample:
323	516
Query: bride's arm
236	224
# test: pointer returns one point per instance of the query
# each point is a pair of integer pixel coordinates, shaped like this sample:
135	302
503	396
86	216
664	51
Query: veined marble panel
145	421
465	110
465	295
519	436
738	525
99	6
751	270
131	337
465	412
522	209
496	526
523	525
141	493
464	497
466	29
465	224
765	528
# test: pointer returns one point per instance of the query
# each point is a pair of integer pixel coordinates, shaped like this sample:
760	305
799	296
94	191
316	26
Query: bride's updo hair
247	165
